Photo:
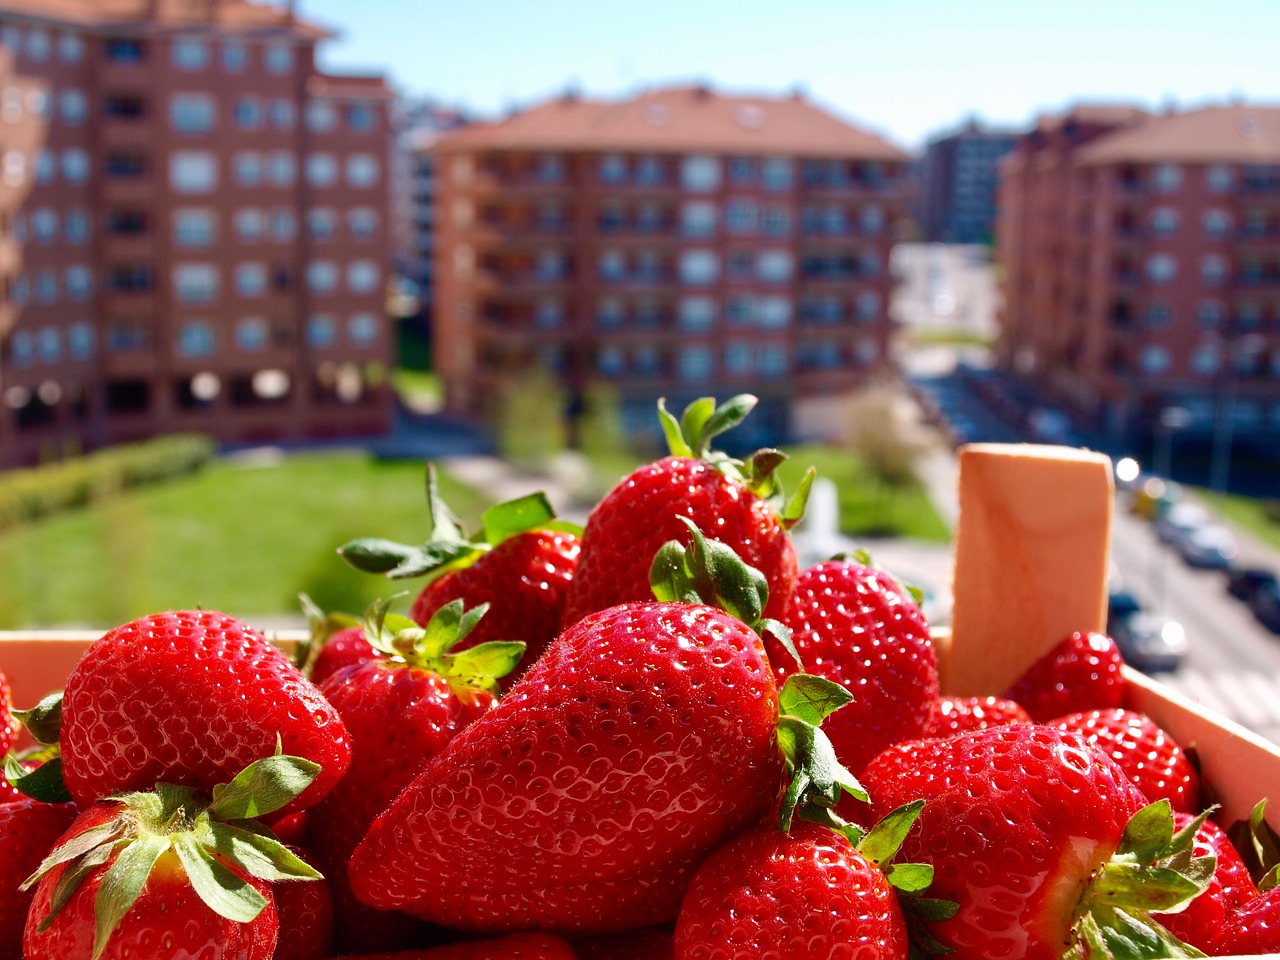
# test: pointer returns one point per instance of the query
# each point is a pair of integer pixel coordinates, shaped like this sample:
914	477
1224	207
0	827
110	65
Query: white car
1210	546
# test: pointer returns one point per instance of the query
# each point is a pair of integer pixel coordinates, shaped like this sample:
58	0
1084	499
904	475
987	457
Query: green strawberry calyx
449	548
203	834
321	627
37	772
703	421
710	572
1152	871
435	646
1259	847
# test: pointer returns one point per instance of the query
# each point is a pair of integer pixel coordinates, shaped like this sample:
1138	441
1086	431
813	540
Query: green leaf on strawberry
44	783
44	720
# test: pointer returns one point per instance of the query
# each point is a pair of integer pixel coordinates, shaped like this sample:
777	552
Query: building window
612	265
362	328
75	165
1164	221
1213	269
737	358
610	361
550	169
22	349
235	56
123	50
247	113
1159	315
49	344
362	170
321	223
73	106
321	330
322	170
44	225
700	174
1207	359
251	279
1209	314
1155	359
281	168
75	227
279	57
613	168
190	53
740	216
773	313
774	266
193	228
283	114
1219	178
322	277
361	117
70	48
79	283
196	339
650	171
125	164
771	361
699	267
191	112
872	219
363	276
80	341
1217	223
1161	268
742	171
776	221
1167	177
38	44
195	282
867	305
193	171
251	334
283	225
609	313
362	222
697	313
248	168
250	224
777	173
741	265
696	363
46	287
321	116
46	166
698	219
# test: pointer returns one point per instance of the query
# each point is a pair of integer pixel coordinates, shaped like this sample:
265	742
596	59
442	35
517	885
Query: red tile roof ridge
1230	133
227	14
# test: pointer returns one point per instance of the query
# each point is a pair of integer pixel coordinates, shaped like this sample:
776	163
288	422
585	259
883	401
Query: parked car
1120	604
1179	520
1211	546
1245	582
1266	606
1149	642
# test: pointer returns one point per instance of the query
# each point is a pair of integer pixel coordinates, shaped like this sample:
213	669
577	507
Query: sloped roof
678	119
1223	134
244	15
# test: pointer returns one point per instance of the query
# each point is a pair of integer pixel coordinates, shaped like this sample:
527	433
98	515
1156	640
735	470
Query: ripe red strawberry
854	625
400	709
521	565
1081	673
1255	927
728	499
1040	840
810	895
952	715
9	725
346	647
28	830
514	946
170	873
1205	921
190	698
337	640
583	802
651	943
1148	756
304	910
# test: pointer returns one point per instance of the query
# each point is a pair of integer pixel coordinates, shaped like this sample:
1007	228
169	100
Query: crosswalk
1249	697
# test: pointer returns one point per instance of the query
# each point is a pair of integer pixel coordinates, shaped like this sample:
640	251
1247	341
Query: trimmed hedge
26	494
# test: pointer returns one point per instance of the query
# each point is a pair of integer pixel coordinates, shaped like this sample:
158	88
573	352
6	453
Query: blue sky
907	68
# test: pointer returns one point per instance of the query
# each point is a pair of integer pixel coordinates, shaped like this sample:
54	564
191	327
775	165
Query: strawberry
1042	843
169	873
583	802
514	946
9	725
1203	924
813	894
401	709
190	698
651	943
344	648
733	501
855	625
305	913
521	564
337	640
1255	927
28	830
1148	756
1081	672
952	715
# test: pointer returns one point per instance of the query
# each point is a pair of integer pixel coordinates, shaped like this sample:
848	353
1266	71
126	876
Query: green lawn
1259	517
236	538
865	508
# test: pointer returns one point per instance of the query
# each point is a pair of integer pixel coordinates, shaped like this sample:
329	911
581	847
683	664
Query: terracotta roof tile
227	14
349	88
1230	134
679	119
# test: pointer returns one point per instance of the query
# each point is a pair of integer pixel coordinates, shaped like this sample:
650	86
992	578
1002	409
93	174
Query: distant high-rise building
679	243
1141	263
205	231
956	183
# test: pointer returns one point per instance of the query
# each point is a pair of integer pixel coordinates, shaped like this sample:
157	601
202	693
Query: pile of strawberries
655	737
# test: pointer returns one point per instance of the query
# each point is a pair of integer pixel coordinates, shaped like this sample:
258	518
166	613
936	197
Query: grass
1260	517
866	508
949	337
418	388
235	538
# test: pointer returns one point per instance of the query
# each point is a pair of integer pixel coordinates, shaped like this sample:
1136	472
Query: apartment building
957	176
678	243
1141	257
205	237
